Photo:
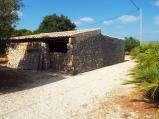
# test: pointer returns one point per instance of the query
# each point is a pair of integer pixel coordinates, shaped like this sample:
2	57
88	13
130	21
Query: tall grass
146	73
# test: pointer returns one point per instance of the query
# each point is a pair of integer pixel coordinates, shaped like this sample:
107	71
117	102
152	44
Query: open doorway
58	51
60	47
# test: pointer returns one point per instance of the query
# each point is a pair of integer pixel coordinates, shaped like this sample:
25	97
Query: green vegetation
52	23
130	44
21	32
55	23
8	16
146	73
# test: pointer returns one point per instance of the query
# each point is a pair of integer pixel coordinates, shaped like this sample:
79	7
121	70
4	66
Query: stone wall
29	56
97	51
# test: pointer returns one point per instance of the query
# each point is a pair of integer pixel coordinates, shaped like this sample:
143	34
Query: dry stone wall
95	52
29	56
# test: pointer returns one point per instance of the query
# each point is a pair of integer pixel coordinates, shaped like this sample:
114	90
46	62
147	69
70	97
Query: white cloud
156	20
20	14
77	22
86	19
127	19
109	22
123	19
157	3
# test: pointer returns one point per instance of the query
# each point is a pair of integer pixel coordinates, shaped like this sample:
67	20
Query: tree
55	23
130	43
21	32
8	17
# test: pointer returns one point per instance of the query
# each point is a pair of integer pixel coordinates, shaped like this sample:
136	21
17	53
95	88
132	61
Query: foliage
55	23
8	16
146	73
21	32
130	43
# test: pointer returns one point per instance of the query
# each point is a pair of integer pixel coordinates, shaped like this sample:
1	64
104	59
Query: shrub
20	32
146	73
130	44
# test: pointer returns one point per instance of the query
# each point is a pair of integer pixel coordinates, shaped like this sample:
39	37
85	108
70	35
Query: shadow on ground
150	103
12	80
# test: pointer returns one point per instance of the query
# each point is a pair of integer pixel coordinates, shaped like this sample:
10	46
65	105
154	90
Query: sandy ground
69	97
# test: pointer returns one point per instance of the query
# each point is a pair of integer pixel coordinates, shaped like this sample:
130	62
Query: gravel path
70	98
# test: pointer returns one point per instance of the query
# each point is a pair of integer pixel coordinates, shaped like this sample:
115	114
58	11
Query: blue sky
86	12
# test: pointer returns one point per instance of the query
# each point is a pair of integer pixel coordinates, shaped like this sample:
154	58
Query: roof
56	34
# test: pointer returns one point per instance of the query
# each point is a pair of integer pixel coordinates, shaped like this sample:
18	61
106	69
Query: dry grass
3	59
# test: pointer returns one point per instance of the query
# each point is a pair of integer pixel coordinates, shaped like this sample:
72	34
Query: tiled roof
56	34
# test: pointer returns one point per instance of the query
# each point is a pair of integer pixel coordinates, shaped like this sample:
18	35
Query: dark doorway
58	52
58	47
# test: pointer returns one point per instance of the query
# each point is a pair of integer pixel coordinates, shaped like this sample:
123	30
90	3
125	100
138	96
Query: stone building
71	51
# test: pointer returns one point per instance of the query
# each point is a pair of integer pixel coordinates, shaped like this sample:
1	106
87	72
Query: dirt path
70	98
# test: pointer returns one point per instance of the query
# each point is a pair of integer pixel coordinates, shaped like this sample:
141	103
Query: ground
97	94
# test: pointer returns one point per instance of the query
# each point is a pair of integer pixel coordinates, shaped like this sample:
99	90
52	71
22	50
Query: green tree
55	23
21	32
8	16
130	43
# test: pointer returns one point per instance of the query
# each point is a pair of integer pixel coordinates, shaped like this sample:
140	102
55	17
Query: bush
21	32
146	73
130	44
